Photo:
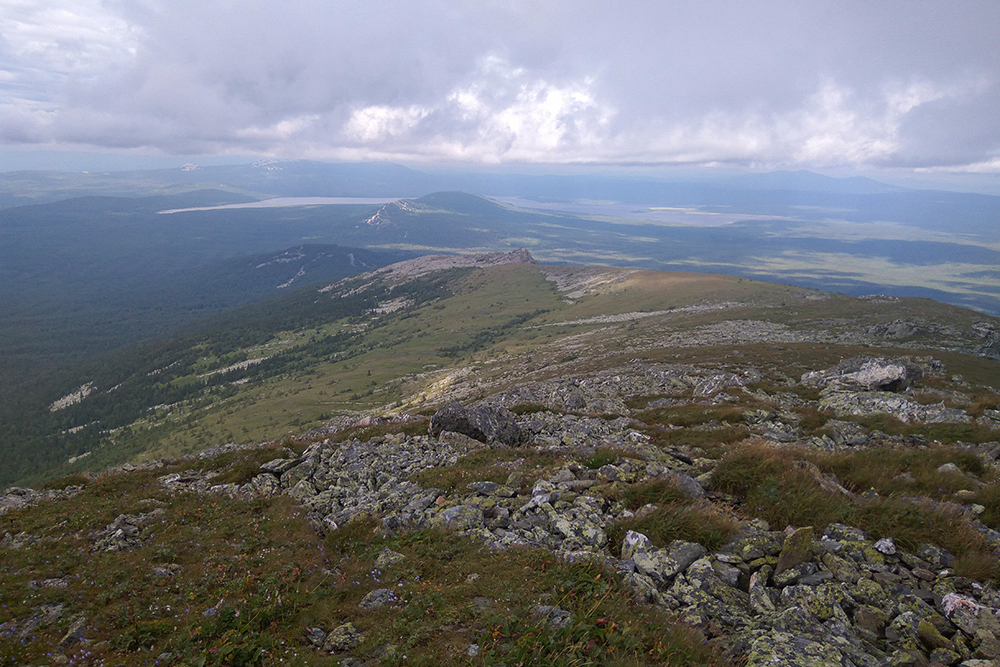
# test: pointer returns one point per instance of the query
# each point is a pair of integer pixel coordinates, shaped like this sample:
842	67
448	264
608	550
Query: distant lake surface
698	216
285	202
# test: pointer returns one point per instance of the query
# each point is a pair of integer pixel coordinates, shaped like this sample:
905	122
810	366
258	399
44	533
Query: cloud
380	123
78	38
500	113
811	83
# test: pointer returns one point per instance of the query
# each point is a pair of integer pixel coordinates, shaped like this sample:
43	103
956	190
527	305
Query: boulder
264	485
796	549
969	615
867	373
488	424
343	638
554	617
387	558
460	517
661	565
378	598
76	632
688	485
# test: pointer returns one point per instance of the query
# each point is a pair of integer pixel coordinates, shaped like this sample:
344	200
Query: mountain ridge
631	464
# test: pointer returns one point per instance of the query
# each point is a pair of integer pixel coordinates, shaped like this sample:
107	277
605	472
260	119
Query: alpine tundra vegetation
508	463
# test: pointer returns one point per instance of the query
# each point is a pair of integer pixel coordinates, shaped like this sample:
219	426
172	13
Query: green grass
413	428
393	360
77	479
943	432
601	457
229	552
882	469
241	466
694	415
657	491
773	488
715	438
247	578
989	497
701	522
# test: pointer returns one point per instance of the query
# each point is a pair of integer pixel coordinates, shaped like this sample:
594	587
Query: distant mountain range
382	179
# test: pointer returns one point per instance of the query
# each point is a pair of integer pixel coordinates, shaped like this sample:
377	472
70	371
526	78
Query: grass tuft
601	457
657	492
701	522
240	467
776	490
989	497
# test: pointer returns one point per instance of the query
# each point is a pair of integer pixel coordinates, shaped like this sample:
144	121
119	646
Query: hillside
385	338
91	275
353	473
94	274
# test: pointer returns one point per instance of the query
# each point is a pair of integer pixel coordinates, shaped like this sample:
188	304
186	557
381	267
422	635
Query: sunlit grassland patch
656	290
589	256
396	361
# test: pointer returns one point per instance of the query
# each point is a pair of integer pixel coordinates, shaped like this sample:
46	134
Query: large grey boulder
485	423
866	373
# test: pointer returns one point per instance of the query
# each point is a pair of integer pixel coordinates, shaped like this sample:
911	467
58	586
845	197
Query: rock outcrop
867	373
488	424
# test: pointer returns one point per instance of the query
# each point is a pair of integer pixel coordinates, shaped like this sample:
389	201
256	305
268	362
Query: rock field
772	595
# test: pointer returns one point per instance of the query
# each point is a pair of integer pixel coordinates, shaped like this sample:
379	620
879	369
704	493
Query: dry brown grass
776	490
701	522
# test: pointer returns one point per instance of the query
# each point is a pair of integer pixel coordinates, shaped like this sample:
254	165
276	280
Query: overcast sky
768	85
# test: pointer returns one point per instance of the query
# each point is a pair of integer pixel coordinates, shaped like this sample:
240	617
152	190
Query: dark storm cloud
769	83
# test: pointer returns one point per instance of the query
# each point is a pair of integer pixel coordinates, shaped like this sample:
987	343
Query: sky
890	87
